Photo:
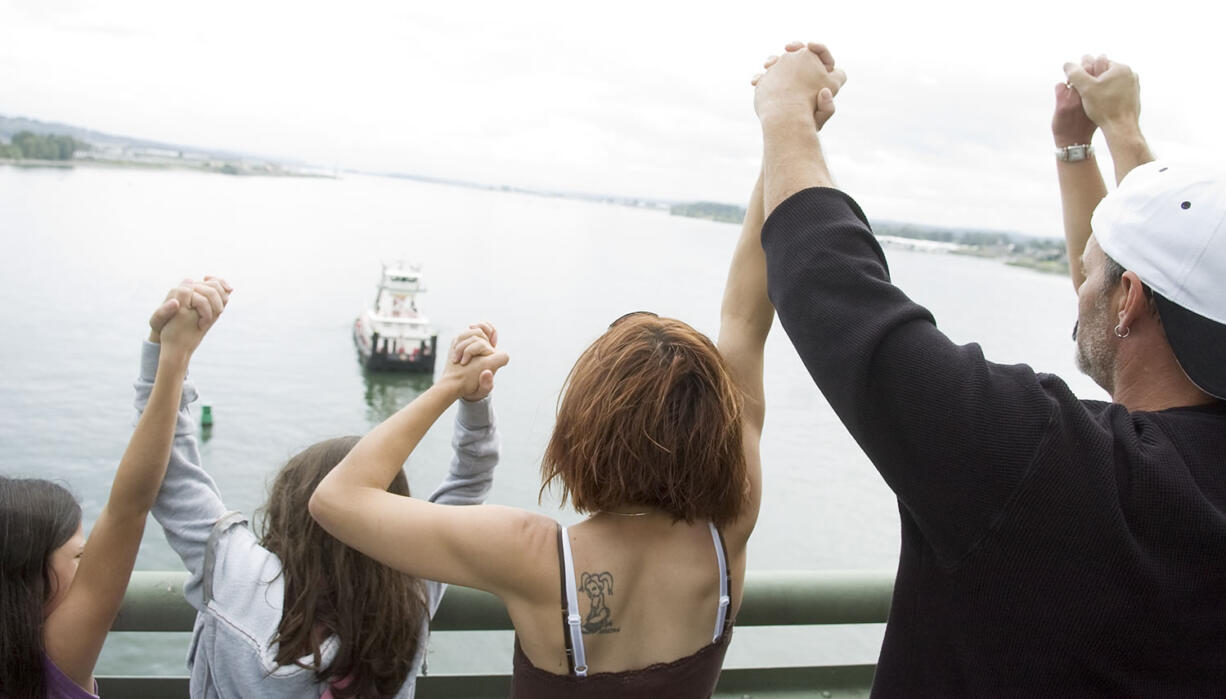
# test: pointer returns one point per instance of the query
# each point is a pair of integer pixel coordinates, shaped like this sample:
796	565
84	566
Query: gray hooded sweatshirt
235	584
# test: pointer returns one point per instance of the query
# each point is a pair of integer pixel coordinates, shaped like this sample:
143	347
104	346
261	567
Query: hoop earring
1125	333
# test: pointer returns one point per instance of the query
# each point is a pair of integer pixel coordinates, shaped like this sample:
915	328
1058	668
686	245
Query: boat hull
384	354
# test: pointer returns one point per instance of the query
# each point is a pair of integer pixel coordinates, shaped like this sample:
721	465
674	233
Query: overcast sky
944	120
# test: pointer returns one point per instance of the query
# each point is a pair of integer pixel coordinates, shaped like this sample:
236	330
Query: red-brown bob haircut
650	416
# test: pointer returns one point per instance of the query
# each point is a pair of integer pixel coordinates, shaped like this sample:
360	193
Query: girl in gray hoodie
291	611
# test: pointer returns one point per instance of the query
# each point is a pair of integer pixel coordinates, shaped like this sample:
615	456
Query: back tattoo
599	617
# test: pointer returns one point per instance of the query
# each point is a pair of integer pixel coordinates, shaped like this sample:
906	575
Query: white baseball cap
1167	223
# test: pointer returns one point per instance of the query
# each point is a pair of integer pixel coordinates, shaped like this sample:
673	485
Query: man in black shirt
1050	545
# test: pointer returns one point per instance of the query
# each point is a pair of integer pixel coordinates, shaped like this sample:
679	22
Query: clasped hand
1109	92
800	82
187	313
472	361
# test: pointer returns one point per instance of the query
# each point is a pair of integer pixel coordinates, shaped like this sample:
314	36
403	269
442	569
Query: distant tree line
963	236
705	209
978	238
34	146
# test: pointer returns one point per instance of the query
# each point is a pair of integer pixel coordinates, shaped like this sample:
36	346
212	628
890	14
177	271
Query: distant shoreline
1048	256
1041	256
219	169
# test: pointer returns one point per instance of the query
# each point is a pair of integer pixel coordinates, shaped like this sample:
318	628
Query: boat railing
154	604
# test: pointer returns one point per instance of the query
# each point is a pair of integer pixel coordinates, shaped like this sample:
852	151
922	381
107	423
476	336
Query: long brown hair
375	612
36	518
650	416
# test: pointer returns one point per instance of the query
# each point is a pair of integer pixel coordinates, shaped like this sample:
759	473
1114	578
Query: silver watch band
1074	153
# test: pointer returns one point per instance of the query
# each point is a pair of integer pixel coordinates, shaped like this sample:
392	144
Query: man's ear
1132	303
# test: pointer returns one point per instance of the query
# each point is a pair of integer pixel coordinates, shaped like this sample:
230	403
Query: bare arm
1103	94
76	629
1081	188
1081	182
794	99
1128	148
745	320
479	546
792	155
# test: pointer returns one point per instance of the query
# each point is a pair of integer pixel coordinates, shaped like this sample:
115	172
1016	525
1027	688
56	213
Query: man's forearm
792	158
1128	148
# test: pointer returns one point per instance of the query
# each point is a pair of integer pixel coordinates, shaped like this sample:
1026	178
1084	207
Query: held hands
798	82
190	309
472	362
1069	124
1110	92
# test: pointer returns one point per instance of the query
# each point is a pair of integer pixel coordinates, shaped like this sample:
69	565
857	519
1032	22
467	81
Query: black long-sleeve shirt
1050	545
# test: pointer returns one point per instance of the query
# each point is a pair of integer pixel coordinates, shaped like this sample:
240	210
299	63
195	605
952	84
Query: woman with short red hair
656	440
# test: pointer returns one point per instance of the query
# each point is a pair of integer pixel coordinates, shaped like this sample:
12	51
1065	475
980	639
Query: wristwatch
1074	153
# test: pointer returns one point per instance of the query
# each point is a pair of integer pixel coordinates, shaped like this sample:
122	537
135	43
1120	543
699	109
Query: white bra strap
574	622
724	599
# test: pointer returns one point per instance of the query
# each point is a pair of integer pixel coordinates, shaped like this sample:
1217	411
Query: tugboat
393	335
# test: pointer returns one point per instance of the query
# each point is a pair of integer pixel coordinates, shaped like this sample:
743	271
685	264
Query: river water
88	253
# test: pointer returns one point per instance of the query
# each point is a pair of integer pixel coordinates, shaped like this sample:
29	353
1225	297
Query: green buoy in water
206	416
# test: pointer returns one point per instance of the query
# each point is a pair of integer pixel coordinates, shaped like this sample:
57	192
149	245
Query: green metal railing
154	603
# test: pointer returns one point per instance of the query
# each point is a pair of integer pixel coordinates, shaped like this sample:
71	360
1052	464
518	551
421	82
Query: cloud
944	119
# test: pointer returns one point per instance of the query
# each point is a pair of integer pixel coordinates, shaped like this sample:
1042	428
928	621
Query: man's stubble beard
1096	347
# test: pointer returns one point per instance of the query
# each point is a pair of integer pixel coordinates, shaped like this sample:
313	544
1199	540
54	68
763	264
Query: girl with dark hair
59	591
290	611
656	439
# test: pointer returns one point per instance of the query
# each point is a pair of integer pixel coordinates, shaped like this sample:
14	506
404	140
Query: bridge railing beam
154	602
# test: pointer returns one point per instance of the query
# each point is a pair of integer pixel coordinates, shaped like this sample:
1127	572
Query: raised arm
745	320
474	445
936	419
1098	93
480	546
746	314
188	504
792	97
1081	182
76	629
1112	99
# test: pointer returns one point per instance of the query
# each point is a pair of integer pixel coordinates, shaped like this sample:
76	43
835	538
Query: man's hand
1110	92
793	99
800	82
190	309
472	362
1111	95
